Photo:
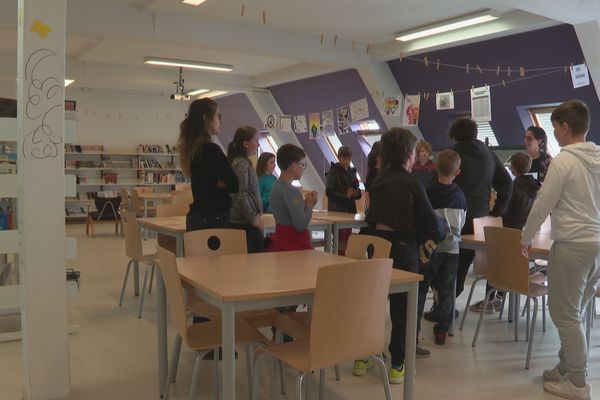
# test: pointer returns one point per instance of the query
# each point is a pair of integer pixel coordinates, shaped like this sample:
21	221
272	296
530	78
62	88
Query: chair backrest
107	207
206	242
171	210
136	202
345	326
183	197
174	288
480	263
365	247
133	240
508	269
125	199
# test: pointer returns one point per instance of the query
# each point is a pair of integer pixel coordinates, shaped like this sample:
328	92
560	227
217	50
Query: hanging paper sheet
285	124
391	106
270	121
299	124
444	101
481	105
314	122
343	120
327	123
410	115
580	75
359	110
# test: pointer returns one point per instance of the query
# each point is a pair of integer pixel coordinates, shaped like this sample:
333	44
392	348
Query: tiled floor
114	354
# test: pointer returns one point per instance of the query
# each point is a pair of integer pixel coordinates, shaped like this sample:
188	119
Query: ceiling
107	40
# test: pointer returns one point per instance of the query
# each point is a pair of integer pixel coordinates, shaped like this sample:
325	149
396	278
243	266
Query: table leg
228	342
145	208
161	324
336	238
136	278
328	239
411	341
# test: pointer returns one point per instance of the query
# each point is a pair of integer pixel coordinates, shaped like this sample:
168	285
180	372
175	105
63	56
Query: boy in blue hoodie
449	203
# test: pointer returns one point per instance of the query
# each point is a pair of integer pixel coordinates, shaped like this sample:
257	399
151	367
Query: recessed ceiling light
68	82
188	64
447	25
193	2
198	91
213	94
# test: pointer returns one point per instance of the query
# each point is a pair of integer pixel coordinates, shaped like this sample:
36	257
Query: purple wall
236	111
543	48
322	93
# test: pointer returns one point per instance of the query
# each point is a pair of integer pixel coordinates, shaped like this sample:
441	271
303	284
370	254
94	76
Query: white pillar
40	95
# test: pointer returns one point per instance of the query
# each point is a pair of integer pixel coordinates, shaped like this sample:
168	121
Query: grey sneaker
478	307
497	303
422	353
568	390
553	375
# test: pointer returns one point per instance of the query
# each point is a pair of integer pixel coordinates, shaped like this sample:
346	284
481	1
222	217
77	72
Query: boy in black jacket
342	190
525	188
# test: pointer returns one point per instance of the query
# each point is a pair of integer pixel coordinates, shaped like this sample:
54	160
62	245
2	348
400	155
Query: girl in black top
536	143
204	162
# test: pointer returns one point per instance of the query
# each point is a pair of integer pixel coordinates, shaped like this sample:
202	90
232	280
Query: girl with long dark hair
536	143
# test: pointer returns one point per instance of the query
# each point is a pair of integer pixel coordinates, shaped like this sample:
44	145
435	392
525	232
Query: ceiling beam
570	12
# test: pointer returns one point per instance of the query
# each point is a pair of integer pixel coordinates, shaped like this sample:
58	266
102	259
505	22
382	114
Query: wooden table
176	227
264	280
540	247
161	196
340	220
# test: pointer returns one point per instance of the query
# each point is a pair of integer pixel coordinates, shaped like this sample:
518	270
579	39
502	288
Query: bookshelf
100	169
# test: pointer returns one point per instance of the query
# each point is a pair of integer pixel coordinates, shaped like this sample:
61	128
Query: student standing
292	213
536	144
570	195
342	190
424	168
401	213
204	162
246	209
264	169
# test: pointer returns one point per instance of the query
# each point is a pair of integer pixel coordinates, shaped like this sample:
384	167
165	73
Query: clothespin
426	62
401	56
498	71
264	13
322	35
522	71
479	69
334	40
503	83
243	9
368	48
508	71
426	96
566	69
438	64
467	68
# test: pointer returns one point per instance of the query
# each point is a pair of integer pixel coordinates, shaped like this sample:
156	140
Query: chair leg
321	384
502	306
87	226
535	307
151	278
279	339
384	375
543	313
528	318
485	302
173	368
125	282
117	228
92	229
338	375
143	292
195	374
462	321
516	308
256	374
299	381
309	385
249	369
216	374
525	307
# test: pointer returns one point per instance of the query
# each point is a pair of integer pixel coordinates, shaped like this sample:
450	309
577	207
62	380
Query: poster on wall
359	109
343	120
270	121
327	122
410	114
580	75
481	105
444	101
314	123
299	124
391	106
285	124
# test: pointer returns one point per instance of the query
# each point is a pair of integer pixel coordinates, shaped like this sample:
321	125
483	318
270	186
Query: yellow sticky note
41	29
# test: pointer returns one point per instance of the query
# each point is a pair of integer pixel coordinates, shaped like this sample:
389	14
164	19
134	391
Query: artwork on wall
444	101
285	124
314	124
359	110
343	120
481	106
299	124
391	106
410	115
327	123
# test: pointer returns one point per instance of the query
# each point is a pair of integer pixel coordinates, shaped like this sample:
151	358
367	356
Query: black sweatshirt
525	190
210	166
480	170
339	180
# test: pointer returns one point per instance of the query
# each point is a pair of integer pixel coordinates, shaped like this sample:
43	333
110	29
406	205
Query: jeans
439	272
255	238
465	259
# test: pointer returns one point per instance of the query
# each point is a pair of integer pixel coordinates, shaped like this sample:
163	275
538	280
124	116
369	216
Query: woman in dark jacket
536	143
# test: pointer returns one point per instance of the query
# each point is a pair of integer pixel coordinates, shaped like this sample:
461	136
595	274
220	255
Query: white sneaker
568	390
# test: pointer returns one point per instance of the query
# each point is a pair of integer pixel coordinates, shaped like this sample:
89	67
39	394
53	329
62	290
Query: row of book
80	164
117	164
157	149
154	177
83	148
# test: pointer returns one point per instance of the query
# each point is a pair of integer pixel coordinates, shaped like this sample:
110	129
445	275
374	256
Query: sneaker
497	304
478	307
432	314
440	338
361	367
568	390
422	353
553	375
396	375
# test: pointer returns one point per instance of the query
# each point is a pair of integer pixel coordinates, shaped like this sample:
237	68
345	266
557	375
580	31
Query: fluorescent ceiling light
68	82
447	25
188	64
193	2
213	94
198	91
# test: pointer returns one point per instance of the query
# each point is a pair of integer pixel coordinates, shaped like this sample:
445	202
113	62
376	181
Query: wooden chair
201	337
336	335
133	250
508	270
107	212
125	200
137	205
168	210
365	247
480	263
